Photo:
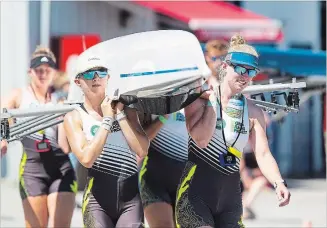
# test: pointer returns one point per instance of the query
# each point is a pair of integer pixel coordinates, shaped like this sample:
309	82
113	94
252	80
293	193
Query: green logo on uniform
220	124
238	127
94	129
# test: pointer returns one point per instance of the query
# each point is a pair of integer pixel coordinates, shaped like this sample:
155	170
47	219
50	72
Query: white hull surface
157	71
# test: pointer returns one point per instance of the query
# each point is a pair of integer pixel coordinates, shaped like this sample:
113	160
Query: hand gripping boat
157	72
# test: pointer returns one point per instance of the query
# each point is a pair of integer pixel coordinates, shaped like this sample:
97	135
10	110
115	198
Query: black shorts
110	201
159	179
45	173
207	197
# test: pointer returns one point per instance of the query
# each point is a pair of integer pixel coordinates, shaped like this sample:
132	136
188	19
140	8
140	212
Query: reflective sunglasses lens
102	74
91	74
240	70
88	75
252	73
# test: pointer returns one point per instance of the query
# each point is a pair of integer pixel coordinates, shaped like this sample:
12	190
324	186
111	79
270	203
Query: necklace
47	96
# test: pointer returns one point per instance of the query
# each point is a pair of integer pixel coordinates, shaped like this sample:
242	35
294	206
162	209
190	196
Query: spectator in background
252	178
46	178
215	50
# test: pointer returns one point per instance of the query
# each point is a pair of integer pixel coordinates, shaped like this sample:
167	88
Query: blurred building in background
69	27
304	22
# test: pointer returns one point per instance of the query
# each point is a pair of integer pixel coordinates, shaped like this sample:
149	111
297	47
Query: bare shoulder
73	117
13	99
18	94
17	91
256	114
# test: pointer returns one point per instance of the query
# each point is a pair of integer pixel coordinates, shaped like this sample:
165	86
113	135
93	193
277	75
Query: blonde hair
43	51
237	44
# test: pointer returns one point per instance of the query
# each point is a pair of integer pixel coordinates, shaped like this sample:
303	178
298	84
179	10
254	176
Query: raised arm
154	127
62	138
136	137
12	101
265	160
87	151
201	119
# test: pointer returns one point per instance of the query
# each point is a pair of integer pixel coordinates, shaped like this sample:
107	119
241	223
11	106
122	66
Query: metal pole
27	121
273	87
37	111
31	125
268	105
17	137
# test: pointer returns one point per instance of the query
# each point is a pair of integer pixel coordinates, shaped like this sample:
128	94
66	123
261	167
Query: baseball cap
37	61
87	63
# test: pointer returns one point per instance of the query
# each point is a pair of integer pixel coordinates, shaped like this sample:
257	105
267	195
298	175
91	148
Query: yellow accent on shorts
184	187
240	223
74	187
86	198
143	169
21	171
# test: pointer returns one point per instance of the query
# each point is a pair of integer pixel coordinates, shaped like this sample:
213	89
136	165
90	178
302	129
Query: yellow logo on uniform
74	187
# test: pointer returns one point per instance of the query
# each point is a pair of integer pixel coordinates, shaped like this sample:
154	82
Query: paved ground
308	202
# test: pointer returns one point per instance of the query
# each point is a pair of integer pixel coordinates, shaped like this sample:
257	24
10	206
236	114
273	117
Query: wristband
280	181
162	119
120	116
107	123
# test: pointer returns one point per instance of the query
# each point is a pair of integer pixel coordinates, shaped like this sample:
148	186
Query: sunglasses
242	70
215	58
42	71
90	75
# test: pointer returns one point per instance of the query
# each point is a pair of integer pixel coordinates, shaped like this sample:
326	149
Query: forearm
153	129
269	167
91	151
203	129
62	139
137	140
